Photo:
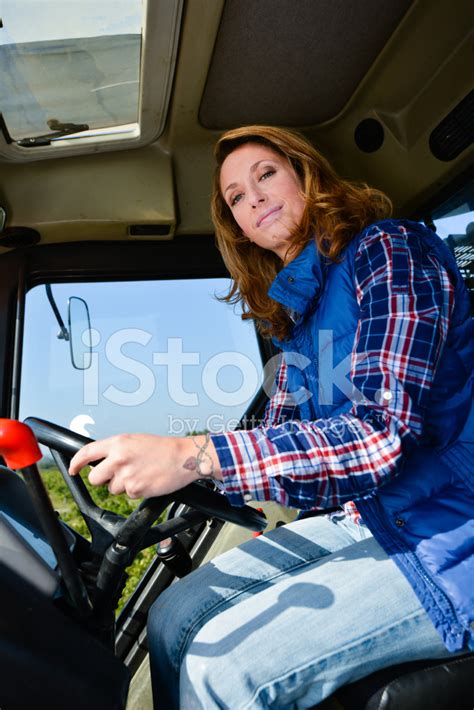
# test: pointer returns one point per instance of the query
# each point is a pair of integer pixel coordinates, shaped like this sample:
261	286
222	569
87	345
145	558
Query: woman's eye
267	174
235	199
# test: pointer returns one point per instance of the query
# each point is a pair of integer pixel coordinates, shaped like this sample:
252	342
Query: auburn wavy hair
335	211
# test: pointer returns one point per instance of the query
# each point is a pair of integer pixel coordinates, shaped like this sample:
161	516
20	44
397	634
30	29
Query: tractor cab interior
109	112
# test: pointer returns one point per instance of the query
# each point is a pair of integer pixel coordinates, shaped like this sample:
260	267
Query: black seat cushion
423	685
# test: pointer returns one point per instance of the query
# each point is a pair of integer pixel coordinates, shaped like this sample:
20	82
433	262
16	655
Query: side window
167	358
454	222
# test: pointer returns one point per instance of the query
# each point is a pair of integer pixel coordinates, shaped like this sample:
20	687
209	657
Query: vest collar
299	284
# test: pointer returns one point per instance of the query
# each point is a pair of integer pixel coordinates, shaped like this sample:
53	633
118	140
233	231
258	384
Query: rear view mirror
80	340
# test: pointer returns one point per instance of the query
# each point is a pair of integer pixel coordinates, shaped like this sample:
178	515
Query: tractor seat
437	685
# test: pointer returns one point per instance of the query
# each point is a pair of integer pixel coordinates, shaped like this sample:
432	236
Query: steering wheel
94	578
115	539
135	531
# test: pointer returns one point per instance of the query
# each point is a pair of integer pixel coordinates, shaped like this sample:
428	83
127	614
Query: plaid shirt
406	300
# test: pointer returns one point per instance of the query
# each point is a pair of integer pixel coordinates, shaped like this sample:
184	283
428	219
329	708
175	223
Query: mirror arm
63	331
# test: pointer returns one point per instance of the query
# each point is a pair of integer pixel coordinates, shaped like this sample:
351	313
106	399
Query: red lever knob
257	534
18	444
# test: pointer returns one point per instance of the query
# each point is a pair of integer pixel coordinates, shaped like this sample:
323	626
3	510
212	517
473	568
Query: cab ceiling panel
293	63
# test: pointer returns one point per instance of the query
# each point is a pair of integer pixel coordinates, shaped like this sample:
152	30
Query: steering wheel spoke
103	525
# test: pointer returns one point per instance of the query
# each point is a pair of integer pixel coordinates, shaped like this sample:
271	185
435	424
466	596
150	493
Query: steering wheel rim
208	502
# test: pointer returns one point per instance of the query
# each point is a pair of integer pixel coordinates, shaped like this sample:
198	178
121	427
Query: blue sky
135	320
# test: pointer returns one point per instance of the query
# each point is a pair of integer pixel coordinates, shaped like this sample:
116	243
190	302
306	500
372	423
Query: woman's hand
143	465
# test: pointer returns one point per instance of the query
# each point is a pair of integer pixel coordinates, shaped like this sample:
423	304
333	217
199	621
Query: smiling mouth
266	214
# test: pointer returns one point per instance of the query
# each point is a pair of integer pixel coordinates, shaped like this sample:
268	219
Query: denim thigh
182	609
284	620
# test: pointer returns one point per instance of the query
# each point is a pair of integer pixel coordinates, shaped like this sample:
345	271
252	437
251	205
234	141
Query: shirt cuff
241	456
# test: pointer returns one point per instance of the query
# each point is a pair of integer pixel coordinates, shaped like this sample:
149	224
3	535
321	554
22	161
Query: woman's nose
256	197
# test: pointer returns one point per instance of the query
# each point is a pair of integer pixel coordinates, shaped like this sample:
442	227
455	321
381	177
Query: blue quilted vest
424	517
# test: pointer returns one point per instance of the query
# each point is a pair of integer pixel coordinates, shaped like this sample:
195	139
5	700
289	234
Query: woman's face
264	195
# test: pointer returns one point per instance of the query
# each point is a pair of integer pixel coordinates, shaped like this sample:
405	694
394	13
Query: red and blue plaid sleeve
406	299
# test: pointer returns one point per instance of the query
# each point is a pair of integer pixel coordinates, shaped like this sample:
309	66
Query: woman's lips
267	214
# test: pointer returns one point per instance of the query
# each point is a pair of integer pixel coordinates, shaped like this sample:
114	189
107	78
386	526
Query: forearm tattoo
202	463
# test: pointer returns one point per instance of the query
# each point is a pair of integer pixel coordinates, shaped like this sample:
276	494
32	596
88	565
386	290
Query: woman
372	412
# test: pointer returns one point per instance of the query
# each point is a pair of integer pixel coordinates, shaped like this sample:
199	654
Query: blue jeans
284	620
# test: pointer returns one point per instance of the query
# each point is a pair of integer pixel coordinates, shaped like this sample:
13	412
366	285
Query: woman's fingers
115	486
101	474
113	467
91	452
